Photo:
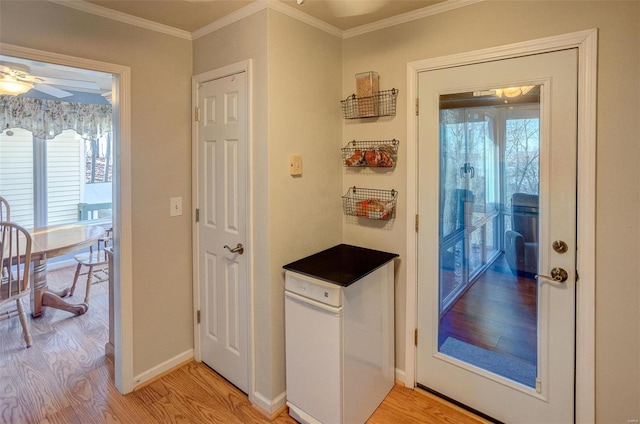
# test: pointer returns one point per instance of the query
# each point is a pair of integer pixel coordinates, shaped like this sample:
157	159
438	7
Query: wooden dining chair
95	257
15	258
5	215
5	211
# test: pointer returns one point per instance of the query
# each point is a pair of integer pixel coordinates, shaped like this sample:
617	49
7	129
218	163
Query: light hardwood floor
64	378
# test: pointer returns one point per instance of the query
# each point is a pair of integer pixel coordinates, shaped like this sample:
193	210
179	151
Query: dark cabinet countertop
342	264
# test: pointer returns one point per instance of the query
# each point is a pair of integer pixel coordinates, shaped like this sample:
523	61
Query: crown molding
408	17
303	17
259	5
231	18
123	17
266	4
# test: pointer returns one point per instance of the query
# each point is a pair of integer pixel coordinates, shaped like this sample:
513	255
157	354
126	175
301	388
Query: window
522	151
522	154
98	160
47	182
49	174
16	174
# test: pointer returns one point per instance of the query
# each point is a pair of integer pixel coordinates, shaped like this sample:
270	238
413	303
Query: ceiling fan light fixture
13	86
513	91
525	89
347	8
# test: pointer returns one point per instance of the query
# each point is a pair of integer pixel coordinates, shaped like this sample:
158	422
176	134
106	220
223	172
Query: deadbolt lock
560	246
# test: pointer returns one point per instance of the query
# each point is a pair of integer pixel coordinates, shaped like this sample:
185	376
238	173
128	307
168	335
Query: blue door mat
505	366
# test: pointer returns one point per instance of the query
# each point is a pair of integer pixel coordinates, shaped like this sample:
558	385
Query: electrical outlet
175	205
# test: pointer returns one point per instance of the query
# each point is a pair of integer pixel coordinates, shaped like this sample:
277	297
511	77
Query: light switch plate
295	165
175	204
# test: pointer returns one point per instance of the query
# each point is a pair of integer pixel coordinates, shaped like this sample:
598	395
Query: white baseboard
267	405
270	407
259	400
163	367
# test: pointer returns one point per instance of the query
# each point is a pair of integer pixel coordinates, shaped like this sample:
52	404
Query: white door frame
122	282
243	66
587	44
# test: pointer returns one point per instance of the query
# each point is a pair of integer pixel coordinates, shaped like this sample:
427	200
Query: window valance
48	118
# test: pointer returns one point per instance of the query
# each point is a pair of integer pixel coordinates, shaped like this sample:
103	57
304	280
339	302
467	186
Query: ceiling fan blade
71	83
52	91
4	69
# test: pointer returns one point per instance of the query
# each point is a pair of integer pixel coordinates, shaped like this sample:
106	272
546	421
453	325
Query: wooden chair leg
23	321
75	280
89	275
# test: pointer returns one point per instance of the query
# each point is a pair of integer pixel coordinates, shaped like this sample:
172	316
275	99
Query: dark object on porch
521	242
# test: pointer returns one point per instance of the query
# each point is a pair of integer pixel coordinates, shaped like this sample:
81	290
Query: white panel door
479	374
222	199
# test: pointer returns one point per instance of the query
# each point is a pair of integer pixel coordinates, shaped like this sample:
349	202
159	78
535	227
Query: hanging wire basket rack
370	203
376	154
381	104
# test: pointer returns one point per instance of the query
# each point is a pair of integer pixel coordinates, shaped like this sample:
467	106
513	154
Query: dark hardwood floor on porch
64	378
497	313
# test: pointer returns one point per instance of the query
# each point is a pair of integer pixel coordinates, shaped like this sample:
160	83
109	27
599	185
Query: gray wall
296	81
495	23
160	158
285	124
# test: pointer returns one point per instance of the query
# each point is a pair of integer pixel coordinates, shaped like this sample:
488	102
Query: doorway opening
121	194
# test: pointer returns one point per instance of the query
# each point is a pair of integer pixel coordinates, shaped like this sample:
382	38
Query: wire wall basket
381	104
376	154
370	203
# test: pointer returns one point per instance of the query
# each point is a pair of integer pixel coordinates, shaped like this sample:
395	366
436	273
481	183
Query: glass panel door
496	190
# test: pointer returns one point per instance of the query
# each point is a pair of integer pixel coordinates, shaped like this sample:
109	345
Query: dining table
49	242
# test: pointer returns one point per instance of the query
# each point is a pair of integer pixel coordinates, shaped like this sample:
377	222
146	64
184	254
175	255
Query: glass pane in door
455	206
489	184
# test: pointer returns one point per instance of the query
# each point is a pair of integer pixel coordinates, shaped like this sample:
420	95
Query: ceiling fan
16	78
348	8
343	9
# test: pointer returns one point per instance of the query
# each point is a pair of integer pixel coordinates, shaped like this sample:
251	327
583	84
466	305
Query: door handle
558	275
238	249
467	169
